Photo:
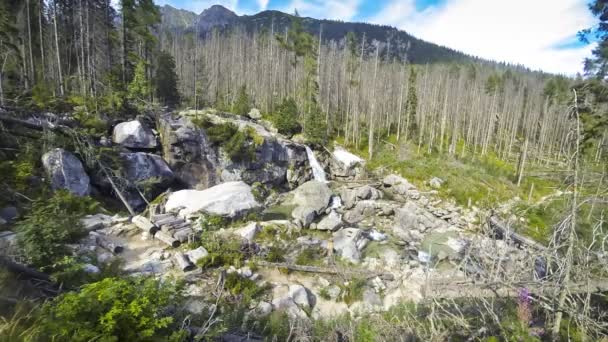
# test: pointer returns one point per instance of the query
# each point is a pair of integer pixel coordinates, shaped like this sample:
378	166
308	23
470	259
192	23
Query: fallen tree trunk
168	239
328	270
144	224
106	244
501	231
183	262
22	269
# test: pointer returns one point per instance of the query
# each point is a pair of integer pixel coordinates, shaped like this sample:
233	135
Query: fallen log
183	234
501	231
106	243
327	270
168	228
169	221
168	239
22	269
183	262
144	224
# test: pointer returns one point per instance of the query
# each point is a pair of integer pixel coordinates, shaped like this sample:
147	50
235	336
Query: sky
540	34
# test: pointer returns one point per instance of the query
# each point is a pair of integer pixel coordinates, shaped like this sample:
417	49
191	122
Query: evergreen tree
166	80
285	119
241	106
139	90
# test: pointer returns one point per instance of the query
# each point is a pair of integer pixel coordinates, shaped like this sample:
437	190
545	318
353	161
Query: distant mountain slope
392	40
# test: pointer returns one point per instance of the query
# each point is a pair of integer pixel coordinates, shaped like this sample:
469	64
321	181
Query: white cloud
263	4
324	9
516	31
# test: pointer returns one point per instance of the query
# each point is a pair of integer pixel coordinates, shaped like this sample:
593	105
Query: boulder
313	194
66	172
362	210
230	199
350	197
199	164
348	243
300	295
249	231
132	134
197	254
331	222
344	164
188	151
255	114
304	215
397	184
145	171
9	213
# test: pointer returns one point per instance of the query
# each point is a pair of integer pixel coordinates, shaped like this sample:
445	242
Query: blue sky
540	34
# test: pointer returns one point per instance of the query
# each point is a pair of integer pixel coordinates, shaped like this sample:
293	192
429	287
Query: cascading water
317	170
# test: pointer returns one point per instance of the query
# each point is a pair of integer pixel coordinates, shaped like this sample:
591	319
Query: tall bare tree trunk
29	39
571	230
372	112
61	89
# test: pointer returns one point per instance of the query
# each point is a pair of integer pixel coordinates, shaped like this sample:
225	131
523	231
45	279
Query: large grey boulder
350	197
303	216
397	184
313	194
147	172
188	151
348	243
66	172
200	164
132	134
362	210
331	222
344	164
229	199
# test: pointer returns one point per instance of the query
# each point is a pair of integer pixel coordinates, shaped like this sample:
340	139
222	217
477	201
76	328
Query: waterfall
317	170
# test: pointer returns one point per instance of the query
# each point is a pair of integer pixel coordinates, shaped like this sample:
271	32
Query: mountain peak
215	16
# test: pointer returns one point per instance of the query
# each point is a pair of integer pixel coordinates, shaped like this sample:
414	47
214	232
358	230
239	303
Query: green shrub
222	252
244	287
213	222
129	309
51	224
220	134
275	254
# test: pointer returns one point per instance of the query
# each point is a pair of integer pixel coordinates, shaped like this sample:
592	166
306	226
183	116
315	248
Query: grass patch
352	291
312	256
275	254
222	252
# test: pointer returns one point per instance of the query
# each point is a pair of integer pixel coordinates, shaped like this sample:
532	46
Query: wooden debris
501	231
183	234
183	262
328	270
107	244
144	224
168	239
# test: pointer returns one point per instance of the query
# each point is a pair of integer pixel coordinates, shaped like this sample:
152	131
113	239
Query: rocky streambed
320	235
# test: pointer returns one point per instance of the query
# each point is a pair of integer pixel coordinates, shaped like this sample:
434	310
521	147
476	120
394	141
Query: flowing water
317	170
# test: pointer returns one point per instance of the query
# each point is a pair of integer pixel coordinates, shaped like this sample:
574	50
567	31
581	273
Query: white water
336	202
317	170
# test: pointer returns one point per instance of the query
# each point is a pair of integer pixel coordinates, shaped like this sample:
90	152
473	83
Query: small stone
245	272
299	295
255	114
263	309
